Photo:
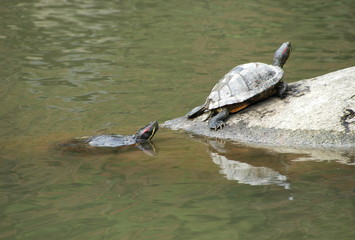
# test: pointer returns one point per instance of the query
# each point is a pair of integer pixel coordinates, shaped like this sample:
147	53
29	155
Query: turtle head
147	132
282	54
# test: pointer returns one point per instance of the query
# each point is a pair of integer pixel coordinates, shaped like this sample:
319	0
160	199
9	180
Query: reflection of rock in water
248	174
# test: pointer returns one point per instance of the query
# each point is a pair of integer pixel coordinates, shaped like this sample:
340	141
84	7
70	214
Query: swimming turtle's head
146	133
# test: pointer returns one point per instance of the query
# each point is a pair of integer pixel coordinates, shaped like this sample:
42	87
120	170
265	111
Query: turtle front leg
281	89
217	122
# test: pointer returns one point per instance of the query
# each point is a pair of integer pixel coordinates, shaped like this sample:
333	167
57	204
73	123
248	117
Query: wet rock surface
316	112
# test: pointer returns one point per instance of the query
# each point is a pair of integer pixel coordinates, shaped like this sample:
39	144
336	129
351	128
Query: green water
74	68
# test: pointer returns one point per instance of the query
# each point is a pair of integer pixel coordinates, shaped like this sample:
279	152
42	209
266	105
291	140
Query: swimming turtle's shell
243	83
105	140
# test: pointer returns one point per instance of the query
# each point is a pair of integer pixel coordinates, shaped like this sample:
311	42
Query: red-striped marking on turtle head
147	132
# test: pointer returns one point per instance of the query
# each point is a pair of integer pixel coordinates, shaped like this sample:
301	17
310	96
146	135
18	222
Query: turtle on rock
243	85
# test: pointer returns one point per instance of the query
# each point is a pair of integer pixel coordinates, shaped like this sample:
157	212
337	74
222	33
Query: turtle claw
217	125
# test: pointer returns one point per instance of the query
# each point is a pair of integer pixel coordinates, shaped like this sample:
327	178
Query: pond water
73	68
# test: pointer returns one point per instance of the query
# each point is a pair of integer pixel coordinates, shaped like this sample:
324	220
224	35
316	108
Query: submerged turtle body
111	140
106	142
244	85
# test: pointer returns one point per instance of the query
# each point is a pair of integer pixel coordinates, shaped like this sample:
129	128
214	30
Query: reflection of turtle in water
244	85
106	142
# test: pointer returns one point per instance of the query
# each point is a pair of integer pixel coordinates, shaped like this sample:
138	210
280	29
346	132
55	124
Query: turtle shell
242	83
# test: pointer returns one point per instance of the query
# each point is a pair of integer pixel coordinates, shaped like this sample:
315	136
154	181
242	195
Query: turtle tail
197	111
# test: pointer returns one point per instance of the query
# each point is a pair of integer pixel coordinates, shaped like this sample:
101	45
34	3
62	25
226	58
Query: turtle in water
102	142
243	85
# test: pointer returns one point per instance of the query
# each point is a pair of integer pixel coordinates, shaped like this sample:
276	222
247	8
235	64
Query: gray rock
316	112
